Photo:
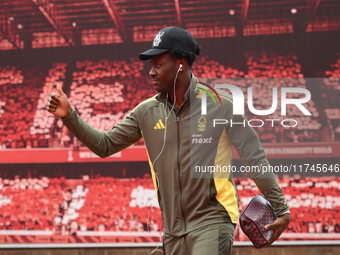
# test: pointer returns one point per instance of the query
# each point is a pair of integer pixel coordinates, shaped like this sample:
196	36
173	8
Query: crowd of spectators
207	68
29	203
73	199
19	91
105	91
120	205
285	70
334	71
2	104
44	122
10	75
48	204
330	94
66	207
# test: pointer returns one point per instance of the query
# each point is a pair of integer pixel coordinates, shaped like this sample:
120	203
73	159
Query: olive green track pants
215	239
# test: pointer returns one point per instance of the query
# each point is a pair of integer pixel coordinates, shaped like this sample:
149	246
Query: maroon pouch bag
254	217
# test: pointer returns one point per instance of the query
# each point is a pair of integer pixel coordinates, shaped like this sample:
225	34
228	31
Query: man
199	214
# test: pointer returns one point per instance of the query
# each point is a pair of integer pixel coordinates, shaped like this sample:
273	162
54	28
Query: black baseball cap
171	38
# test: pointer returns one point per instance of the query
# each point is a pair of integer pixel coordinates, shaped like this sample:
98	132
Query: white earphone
180	67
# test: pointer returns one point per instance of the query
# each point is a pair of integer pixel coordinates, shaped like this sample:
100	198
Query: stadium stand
67	206
29	203
286	70
105	91
44	122
10	75
97	93
125	205
330	94
207	68
19	92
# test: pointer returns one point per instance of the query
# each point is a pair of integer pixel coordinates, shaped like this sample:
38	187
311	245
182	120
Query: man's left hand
279	225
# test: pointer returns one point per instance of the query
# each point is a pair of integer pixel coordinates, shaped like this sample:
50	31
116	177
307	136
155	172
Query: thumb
59	89
268	227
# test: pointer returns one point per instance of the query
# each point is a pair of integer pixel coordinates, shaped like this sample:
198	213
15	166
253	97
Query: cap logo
158	38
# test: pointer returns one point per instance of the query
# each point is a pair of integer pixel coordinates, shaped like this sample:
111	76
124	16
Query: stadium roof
23	20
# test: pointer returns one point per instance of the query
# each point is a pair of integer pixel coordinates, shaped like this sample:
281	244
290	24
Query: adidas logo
159	125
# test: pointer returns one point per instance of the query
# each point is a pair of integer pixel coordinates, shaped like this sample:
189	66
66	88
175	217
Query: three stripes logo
204	97
159	125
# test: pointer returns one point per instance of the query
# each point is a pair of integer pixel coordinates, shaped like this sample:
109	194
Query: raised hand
58	104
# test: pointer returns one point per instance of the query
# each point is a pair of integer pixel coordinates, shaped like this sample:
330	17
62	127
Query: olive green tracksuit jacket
188	200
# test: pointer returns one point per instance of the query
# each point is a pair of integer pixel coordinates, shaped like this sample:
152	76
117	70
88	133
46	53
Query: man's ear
183	64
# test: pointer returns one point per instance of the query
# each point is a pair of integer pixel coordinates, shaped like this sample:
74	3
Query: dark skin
163	72
279	225
58	104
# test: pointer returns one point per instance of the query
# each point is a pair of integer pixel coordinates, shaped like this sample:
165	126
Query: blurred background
54	191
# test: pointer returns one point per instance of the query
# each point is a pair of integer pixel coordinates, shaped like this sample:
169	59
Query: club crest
158	38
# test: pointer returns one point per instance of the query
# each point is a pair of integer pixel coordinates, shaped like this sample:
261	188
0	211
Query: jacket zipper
179	175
